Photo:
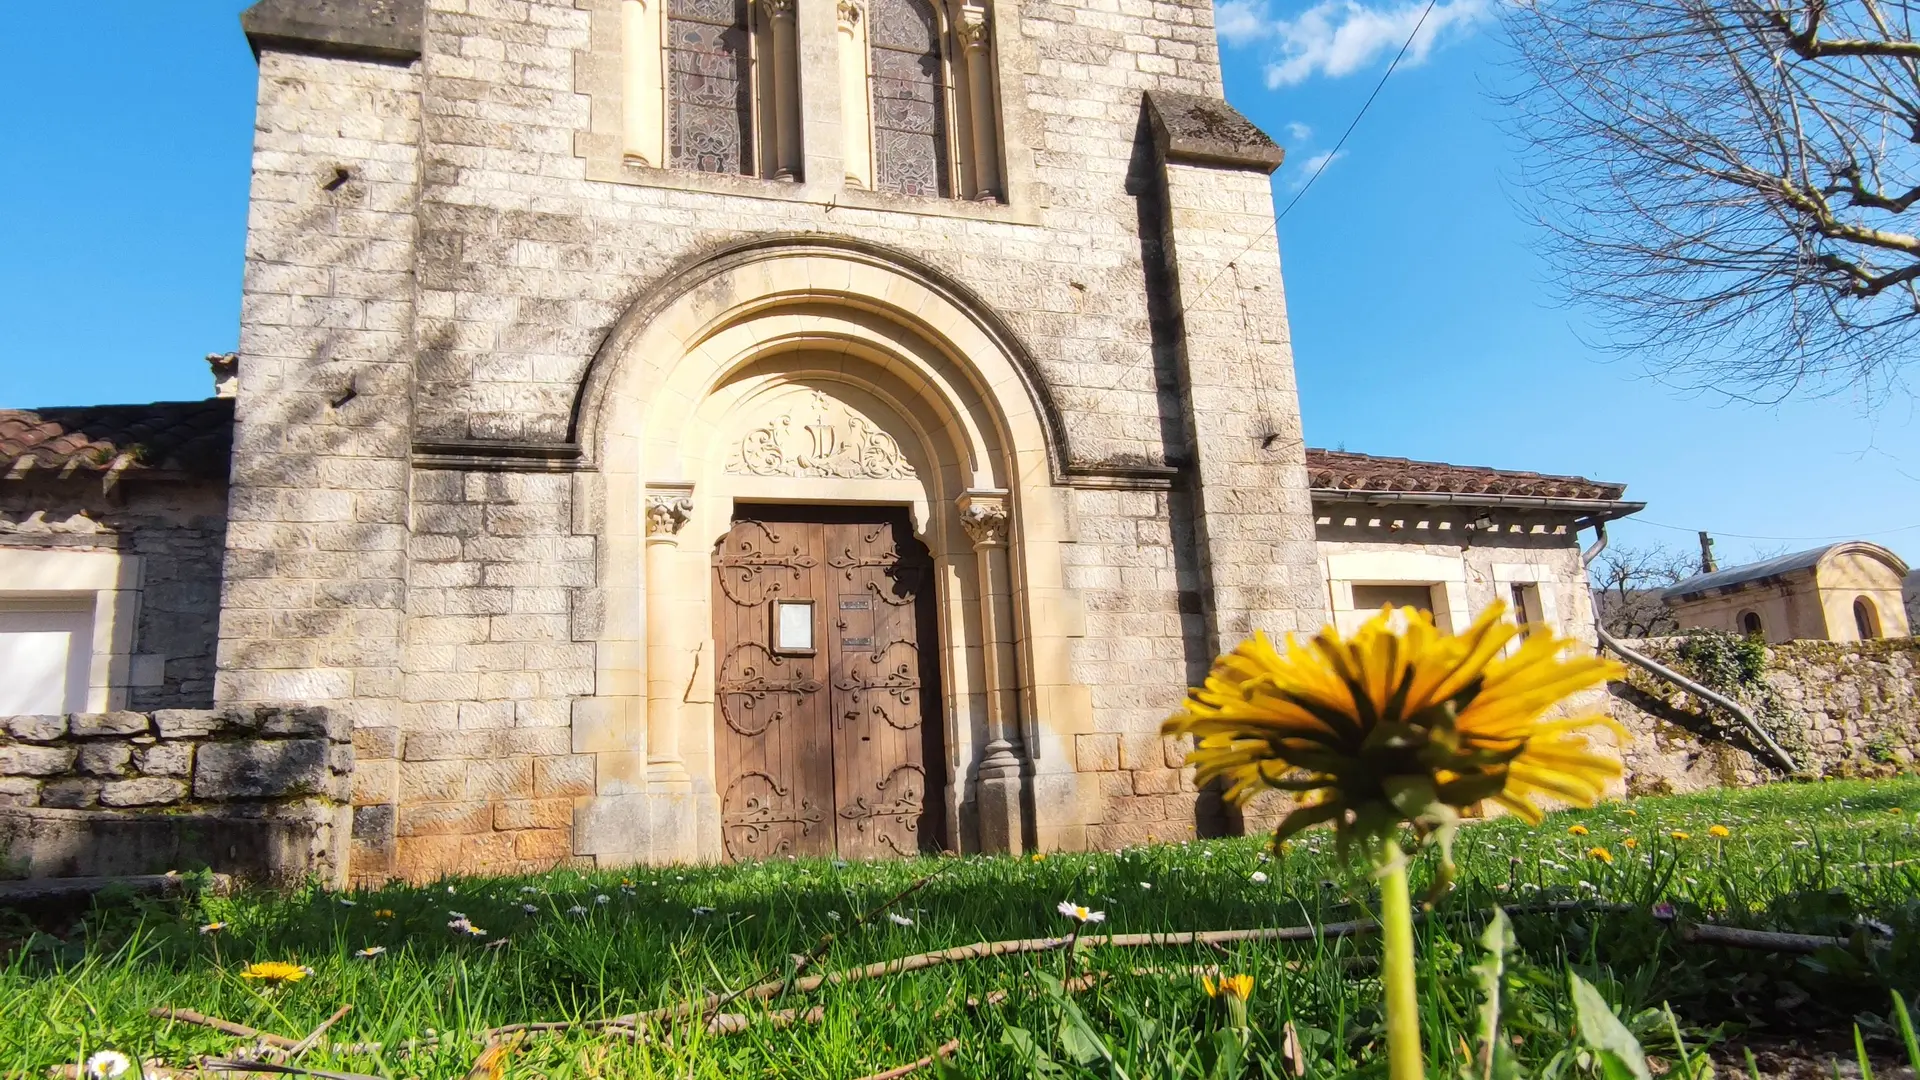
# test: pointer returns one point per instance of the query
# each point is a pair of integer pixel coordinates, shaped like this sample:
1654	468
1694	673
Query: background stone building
708	429
1852	591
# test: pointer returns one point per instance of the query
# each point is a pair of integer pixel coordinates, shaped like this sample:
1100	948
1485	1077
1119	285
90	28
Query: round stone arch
694	374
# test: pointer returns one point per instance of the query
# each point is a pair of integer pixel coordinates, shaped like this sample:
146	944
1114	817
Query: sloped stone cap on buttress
365	29
1197	130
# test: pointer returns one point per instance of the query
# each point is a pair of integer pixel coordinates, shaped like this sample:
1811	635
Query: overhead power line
1787	539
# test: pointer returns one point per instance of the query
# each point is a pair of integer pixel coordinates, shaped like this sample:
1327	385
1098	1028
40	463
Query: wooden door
832	748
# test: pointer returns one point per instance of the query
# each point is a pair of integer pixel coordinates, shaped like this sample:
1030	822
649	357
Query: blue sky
1422	326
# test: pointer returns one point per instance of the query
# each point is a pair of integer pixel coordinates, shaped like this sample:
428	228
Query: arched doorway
822	389
1866	619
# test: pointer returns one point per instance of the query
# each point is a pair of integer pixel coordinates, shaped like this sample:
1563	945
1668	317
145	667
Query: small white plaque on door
793	627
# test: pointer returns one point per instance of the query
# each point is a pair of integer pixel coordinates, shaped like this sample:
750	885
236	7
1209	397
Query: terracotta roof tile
1341	471
193	437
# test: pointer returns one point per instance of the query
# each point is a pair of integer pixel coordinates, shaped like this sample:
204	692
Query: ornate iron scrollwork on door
899	802
892	670
752	674
756	564
755	806
907	577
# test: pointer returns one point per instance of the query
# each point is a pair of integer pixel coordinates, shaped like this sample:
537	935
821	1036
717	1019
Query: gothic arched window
709	86
910	151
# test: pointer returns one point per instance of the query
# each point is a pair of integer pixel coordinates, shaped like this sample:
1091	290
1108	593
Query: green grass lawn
1838	858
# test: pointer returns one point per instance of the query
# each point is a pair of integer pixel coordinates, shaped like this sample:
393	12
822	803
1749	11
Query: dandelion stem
1396	967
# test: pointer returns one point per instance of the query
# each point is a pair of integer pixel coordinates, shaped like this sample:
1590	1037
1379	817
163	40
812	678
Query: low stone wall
260	793
1839	708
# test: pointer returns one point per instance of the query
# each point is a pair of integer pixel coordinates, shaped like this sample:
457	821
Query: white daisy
576	910
213	928
108	1064
834	915
1146	885
1080	914
370	952
344	902
703	911
531	909
603	898
899	919
1258	878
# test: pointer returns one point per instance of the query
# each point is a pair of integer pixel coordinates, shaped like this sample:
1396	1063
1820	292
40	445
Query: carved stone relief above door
808	432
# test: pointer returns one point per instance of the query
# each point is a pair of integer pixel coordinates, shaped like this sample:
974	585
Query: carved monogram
821	436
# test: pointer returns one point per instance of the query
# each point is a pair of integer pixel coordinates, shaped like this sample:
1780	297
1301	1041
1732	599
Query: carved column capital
667	513
985	517
780	9
973	27
850	14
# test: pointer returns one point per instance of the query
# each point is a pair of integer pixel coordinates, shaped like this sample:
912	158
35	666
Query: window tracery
709	86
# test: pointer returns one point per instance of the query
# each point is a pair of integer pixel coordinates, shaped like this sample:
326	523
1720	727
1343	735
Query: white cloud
1313	166
1339	37
1299	132
1242	22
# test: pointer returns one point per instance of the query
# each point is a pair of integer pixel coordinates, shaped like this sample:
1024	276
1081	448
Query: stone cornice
389	30
1194	130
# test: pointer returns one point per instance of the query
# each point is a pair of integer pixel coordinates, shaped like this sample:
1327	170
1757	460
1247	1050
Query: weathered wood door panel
851	729
776	772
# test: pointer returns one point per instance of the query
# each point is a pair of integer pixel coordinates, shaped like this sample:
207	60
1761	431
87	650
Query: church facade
673	430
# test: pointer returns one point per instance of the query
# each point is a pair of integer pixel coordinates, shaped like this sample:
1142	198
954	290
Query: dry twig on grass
226	1027
947	1049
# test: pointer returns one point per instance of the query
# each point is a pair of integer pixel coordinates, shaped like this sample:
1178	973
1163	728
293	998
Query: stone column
856	106
643	83
786	90
976	39
667	513
985	517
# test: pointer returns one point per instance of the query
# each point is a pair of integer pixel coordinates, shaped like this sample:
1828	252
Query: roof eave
1590	511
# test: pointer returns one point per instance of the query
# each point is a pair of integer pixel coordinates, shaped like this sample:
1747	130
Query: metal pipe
1661	671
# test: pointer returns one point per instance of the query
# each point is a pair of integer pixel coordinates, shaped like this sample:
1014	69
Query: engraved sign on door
828	740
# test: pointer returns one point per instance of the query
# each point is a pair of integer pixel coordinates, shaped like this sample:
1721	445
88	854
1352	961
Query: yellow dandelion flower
275	972
383	913
1719	831
1894	810
1387	726
1678	835
1629	843
1233	986
1601	854
1576	830
1039	856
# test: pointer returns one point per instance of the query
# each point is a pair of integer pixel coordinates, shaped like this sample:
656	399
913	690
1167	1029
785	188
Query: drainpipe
1661	671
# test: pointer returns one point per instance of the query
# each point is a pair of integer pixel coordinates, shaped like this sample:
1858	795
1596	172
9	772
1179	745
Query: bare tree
1732	185
1627	583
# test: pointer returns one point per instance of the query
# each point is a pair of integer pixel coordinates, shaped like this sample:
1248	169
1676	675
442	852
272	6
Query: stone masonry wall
178	531
316	567
1840	708
258	792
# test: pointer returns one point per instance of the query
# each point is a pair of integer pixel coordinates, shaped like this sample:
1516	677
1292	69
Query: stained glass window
709	110
909	99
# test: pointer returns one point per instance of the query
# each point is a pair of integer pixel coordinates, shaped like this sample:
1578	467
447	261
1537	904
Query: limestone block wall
1134	569
176	530
1840	708
316	568
502	618
256	792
